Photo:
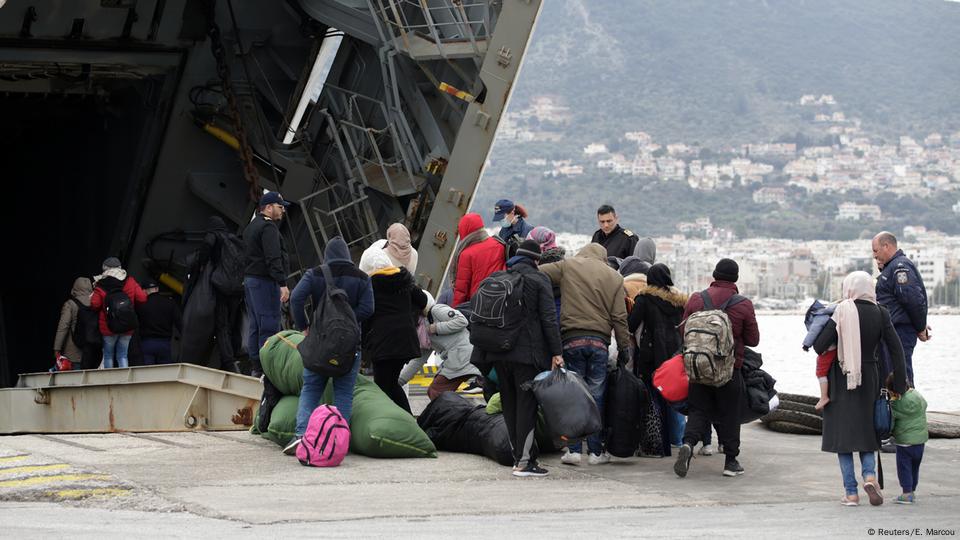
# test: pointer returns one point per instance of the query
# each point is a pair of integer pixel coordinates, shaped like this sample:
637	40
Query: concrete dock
238	485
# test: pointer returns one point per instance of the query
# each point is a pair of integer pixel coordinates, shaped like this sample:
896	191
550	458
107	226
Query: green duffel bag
283	421
282	363
379	428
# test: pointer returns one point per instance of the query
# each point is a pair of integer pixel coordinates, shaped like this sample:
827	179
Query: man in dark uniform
265	280
619	242
900	289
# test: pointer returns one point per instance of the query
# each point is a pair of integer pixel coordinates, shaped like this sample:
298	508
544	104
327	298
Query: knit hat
727	270
111	262
529	249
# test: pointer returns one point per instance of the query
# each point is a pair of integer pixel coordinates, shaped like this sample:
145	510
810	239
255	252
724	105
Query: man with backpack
352	285
716	315
158	318
115	297
265	274
593	307
514	328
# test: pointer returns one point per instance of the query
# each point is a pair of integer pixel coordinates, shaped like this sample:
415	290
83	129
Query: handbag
882	416
423	334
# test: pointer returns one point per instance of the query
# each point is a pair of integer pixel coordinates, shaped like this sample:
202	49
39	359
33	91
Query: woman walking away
537	349
115	297
476	257
390	335
857	328
69	342
657	311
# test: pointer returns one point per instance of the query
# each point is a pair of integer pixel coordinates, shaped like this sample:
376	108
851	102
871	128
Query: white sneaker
569	458
706	450
594	459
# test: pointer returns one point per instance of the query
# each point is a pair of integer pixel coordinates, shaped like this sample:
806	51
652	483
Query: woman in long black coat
858	327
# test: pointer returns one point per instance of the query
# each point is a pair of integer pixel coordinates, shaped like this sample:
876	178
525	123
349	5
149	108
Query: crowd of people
610	304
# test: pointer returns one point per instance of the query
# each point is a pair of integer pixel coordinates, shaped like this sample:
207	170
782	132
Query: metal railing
440	21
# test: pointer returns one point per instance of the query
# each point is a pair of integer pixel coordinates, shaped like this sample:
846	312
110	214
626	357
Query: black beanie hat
727	270
529	249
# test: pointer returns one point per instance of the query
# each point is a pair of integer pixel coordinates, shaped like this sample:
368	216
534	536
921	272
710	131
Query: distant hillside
722	73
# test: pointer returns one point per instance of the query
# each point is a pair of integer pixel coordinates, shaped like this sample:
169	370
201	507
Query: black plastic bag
569	409
624	408
456	424
199	316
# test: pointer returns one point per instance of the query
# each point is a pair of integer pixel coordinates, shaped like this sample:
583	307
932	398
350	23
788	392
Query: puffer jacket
477	261
593	297
451	340
63	341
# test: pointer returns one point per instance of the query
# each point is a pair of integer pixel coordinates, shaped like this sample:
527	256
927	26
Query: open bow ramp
173	397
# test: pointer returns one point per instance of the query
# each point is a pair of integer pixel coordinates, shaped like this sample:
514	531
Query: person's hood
646	250
593	251
82	288
216	223
671	295
374	258
634	265
642	278
117	273
469	223
337	251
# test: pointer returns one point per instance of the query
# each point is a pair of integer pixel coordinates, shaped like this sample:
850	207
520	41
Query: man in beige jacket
592	306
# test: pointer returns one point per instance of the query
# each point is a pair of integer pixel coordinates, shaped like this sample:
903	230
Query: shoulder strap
707	302
732	301
77	302
327	278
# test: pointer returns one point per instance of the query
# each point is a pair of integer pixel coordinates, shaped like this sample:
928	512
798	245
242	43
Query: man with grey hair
900	289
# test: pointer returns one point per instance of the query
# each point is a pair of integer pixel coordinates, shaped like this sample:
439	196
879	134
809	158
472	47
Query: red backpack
327	439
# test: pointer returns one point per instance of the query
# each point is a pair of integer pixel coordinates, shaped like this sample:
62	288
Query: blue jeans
314	385
868	465
676	423
263	310
156	351
590	362
115	345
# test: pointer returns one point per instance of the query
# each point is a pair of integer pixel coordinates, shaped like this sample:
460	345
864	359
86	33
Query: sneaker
889	446
532	469
683	460
291	448
732	468
904	499
474	387
598	459
873	492
706	450
570	458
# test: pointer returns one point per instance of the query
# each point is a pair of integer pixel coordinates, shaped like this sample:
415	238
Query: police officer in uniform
900	289
619	242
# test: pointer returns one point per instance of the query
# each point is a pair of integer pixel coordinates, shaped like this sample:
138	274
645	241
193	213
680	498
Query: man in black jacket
619	242
158	317
265	281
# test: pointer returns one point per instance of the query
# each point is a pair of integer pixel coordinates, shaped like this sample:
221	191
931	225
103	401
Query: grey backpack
708	347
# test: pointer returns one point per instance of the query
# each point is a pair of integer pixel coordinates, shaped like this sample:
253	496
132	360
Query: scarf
475	237
118	273
543	236
856	286
399	249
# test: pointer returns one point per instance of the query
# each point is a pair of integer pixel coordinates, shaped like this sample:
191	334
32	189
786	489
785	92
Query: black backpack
497	313
86	328
331	346
227	277
118	308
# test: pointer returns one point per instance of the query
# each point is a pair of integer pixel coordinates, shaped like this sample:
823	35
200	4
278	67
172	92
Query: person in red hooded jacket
477	256
115	344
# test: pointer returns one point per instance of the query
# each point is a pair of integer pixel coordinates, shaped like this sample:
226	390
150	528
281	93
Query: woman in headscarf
66	340
654	319
857	328
550	252
399	248
390	335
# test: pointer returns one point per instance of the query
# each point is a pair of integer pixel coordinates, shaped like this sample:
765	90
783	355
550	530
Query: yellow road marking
420	380
10	459
93	492
25	482
33	468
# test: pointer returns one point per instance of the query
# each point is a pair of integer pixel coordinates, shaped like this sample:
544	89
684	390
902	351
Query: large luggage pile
457	424
378	427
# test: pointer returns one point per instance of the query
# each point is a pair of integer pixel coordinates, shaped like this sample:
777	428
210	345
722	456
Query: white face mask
505	222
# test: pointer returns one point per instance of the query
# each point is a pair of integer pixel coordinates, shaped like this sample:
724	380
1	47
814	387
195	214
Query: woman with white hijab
858	328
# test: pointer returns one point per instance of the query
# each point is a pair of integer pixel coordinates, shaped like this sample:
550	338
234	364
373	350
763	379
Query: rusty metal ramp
173	397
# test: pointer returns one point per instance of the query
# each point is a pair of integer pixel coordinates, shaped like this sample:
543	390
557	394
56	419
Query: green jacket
910	418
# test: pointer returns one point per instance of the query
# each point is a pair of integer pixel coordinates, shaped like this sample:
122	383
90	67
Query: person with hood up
313	286
646	250
593	306
656	314
476	257
228	319
390	335
550	252
538	349
66	340
510	217
113	278
858	326
398	247
634	272
451	341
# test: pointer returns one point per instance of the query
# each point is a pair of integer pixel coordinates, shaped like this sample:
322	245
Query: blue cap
501	208
272	197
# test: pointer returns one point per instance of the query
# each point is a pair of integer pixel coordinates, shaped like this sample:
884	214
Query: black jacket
540	337
265	251
391	333
659	311
158	316
345	275
619	243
